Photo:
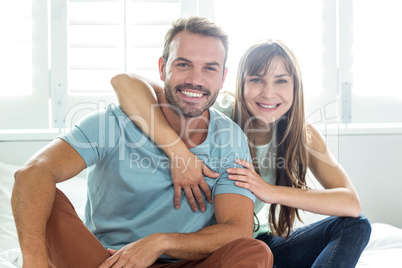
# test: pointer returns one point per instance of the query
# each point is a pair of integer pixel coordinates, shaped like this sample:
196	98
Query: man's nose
195	77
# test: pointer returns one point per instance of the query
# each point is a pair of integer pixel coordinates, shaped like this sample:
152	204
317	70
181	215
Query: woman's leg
332	242
69	242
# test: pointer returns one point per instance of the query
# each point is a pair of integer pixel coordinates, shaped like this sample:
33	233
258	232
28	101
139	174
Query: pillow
384	248
8	232
384	236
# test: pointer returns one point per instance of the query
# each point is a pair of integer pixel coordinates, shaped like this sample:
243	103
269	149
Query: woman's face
269	96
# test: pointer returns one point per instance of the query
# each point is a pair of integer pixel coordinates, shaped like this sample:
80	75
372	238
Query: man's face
194	73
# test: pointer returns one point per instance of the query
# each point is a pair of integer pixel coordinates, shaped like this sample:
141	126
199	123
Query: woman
269	108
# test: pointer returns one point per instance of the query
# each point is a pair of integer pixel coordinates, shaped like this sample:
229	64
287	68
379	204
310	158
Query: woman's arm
137	98
338	198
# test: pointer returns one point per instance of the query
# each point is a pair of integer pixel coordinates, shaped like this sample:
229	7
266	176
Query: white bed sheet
384	248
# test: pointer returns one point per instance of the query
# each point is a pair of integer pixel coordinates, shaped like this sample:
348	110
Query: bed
383	250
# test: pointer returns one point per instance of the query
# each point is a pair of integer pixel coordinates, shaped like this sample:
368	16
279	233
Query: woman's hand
249	179
188	174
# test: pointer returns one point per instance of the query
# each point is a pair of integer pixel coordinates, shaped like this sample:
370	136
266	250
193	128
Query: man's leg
69	242
240	253
243	252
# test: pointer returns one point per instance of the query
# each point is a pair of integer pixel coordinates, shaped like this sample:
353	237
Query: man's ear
224	77
161	64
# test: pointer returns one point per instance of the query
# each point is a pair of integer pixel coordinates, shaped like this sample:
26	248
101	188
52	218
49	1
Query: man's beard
189	109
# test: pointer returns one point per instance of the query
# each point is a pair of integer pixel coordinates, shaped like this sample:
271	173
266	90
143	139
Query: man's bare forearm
32	202
234	216
199	245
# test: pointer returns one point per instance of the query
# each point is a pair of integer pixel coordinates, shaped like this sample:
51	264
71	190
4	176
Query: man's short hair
196	25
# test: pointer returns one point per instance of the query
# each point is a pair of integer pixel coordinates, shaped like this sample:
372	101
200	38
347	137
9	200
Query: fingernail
229	170
203	209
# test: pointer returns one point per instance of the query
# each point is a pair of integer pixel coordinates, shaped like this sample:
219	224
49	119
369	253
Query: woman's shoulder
224	103
314	139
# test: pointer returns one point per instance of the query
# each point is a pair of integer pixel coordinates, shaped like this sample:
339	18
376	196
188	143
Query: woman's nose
267	92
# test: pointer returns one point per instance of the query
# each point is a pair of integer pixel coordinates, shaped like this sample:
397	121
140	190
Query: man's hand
139	254
188	174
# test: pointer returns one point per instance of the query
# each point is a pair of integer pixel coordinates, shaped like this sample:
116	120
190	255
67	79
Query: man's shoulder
224	133
111	115
219	120
97	126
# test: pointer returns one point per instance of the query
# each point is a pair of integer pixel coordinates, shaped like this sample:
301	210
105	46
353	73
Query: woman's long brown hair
292	156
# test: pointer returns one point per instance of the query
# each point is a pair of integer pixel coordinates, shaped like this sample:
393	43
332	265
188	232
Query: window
106	38
300	25
15	48
109	37
58	56
24	78
376	49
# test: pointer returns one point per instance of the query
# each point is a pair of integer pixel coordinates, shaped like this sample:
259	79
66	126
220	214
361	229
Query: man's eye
182	64
211	69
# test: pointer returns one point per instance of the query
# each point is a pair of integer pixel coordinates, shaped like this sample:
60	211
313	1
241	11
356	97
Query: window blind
109	37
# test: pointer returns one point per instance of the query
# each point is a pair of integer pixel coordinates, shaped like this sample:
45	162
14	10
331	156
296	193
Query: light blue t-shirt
130	189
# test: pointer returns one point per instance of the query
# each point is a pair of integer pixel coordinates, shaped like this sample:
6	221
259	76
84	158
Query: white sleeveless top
265	155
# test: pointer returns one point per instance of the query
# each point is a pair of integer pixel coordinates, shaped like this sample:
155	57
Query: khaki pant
71	244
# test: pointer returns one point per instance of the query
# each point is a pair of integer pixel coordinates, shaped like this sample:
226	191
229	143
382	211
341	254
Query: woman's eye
281	81
256	80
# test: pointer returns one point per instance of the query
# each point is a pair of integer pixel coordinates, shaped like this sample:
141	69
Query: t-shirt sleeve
225	185
230	144
93	136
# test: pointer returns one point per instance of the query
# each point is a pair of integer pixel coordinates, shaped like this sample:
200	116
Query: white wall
373	162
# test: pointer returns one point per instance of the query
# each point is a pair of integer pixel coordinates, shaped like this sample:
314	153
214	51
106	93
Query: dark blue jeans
332	242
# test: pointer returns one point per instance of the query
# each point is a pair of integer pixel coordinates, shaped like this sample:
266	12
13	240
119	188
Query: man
129	208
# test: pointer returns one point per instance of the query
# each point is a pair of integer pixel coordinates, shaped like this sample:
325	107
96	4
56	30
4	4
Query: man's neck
192	130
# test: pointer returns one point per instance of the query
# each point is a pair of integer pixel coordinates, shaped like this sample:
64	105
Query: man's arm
33	196
234	215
